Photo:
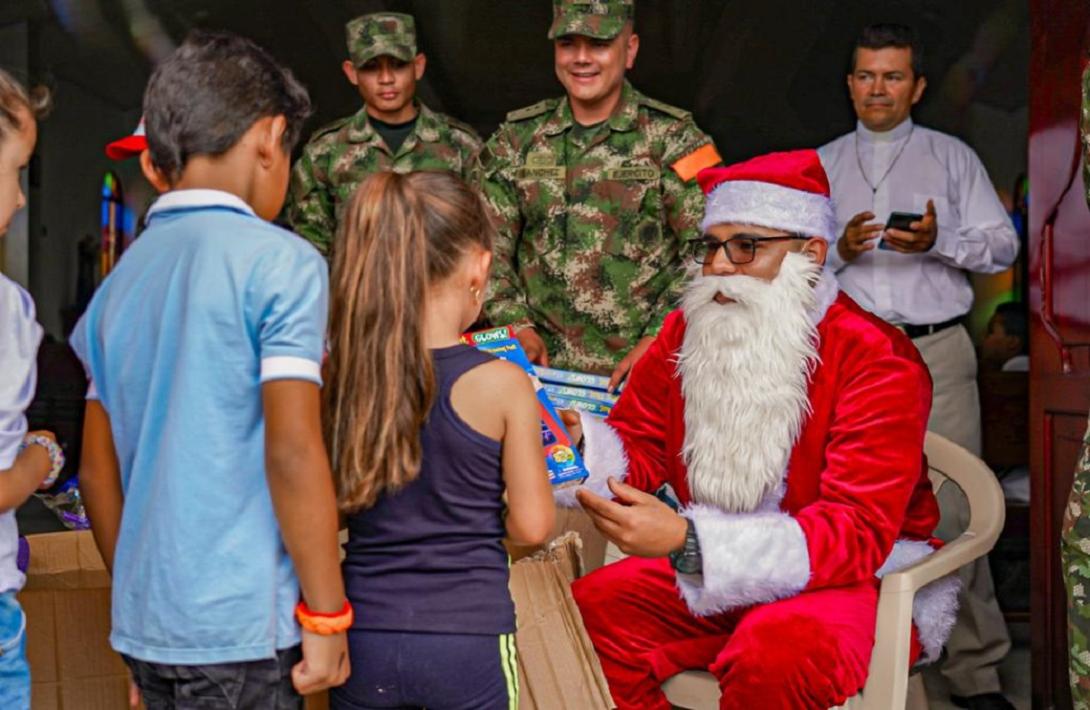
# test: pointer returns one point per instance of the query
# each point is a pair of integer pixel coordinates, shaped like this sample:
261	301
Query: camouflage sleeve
683	202
1075	557
310	210
469	145
506	303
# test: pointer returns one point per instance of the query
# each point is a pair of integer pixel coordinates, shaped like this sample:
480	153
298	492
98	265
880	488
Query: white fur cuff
603	455
935	607
749	558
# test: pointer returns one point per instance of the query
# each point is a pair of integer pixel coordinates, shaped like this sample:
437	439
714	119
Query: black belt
918	331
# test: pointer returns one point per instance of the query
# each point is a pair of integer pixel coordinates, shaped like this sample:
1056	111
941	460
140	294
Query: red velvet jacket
857	479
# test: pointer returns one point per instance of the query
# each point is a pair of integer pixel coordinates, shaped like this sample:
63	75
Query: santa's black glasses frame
740	249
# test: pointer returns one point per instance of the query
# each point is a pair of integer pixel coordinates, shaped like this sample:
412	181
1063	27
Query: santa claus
788	424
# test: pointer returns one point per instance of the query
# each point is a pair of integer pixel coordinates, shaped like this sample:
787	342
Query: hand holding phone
902	221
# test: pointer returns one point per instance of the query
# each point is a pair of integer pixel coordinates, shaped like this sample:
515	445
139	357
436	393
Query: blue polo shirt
207	305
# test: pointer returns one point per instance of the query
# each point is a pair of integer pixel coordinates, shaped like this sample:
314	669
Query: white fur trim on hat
765	204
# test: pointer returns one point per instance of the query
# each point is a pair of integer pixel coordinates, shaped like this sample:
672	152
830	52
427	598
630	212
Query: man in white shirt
916	278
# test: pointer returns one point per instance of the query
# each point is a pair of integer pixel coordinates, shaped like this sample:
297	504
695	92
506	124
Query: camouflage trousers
1075	554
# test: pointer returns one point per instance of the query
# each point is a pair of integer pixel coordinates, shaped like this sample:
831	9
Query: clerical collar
898	132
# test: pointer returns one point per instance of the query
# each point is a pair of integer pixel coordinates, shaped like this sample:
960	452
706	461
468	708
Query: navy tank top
430	556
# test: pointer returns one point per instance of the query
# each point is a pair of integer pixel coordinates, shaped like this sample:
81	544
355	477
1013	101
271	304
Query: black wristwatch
688	559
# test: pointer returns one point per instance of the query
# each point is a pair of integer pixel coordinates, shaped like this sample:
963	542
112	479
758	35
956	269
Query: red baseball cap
129	146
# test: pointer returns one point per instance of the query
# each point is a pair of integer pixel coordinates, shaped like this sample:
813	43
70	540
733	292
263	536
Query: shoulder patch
530	111
689	165
678	113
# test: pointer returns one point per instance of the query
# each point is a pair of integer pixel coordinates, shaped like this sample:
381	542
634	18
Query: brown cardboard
557	664
593	552
576	520
67	604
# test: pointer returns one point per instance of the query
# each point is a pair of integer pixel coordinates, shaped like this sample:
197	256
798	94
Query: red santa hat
130	145
788	191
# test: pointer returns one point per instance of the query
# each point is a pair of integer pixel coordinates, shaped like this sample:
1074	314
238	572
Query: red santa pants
808	651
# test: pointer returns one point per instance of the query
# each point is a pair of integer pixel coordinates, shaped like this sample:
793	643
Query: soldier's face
883	87
592	70
387	86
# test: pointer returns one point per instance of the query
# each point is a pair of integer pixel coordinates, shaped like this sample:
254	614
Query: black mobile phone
902	221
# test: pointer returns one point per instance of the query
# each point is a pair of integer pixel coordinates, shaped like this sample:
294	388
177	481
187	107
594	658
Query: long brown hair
399	234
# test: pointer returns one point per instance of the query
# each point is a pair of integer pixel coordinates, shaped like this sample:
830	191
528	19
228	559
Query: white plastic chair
889	685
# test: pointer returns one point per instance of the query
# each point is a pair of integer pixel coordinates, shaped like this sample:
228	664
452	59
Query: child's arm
100	480
531	512
28	471
301	486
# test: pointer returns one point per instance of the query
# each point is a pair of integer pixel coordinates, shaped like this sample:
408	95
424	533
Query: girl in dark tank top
431	441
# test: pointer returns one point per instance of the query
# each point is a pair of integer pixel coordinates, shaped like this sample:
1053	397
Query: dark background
758	75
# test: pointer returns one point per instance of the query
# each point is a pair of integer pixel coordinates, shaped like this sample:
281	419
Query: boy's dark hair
1013	315
890	34
208	93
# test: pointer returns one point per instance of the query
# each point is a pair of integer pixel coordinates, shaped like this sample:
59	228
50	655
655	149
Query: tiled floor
1014	673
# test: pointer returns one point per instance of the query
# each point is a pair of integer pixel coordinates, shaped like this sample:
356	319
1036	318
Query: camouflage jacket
1075	559
339	156
592	223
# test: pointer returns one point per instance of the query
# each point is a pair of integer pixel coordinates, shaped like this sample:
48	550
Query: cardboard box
558	667
593	545
67	604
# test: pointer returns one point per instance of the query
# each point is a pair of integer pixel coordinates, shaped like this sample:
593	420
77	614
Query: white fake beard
745	369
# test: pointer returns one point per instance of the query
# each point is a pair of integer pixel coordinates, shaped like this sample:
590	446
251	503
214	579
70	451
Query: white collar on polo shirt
190	199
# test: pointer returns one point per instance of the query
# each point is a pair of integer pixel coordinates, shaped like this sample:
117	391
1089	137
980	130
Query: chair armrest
949	558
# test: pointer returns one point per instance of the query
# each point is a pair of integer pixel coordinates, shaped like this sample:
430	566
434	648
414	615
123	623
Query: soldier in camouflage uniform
385	67
1075	533
594	197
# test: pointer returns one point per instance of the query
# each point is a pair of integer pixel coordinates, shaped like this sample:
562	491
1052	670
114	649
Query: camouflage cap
380	33
600	19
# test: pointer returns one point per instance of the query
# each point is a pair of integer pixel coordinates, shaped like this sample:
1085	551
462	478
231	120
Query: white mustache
739	288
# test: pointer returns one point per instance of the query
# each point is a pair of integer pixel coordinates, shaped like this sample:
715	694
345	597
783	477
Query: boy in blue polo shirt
204	473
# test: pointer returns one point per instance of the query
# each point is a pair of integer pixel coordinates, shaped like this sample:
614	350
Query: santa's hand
638	523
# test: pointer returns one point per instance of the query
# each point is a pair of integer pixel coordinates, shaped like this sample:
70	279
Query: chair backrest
987	507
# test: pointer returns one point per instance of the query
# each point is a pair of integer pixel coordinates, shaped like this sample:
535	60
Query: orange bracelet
325	624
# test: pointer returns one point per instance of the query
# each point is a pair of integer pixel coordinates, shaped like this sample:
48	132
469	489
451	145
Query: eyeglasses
741	248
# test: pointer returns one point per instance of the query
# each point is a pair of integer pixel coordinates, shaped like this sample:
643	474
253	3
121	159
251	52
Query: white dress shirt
910	165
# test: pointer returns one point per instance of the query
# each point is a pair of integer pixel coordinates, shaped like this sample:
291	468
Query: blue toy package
605	398
564	463
573	379
598	409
